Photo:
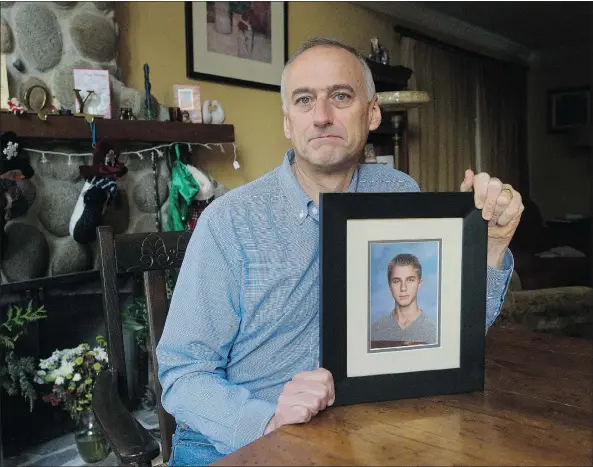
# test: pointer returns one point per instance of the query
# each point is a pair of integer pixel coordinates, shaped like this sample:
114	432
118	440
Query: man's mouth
403	297
326	137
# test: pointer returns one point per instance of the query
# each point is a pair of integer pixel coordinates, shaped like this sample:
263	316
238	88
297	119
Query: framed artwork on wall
403	294
240	43
569	108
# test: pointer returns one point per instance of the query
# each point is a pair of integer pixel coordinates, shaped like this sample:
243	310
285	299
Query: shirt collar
298	200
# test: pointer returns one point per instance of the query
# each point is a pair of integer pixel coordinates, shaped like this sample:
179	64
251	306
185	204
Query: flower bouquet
72	374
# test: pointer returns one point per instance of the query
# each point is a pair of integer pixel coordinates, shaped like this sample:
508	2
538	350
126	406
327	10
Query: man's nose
323	114
403	287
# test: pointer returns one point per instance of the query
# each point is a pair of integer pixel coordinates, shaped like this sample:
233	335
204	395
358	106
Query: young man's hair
404	259
329	42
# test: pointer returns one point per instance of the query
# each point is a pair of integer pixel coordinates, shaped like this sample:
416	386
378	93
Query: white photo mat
361	362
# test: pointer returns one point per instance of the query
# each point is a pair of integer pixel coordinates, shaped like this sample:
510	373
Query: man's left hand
501	206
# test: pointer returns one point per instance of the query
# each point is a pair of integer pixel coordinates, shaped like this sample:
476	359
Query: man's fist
302	398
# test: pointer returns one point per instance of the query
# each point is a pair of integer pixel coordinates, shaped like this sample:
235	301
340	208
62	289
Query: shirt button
314	210
302	214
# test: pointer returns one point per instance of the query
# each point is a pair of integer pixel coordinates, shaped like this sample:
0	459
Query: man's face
404	284
328	116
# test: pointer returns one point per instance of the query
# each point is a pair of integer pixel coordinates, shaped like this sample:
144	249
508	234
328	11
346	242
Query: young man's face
404	285
328	116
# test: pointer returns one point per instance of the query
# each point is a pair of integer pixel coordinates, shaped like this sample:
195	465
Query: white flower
76	377
66	368
100	354
59	380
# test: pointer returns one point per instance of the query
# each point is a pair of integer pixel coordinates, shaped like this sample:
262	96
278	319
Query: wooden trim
59	127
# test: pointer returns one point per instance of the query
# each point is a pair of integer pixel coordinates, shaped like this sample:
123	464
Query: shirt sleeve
497	286
200	329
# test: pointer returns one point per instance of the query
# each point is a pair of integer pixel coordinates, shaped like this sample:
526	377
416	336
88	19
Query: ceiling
537	25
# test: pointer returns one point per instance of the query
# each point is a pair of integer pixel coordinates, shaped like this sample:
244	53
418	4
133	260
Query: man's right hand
302	398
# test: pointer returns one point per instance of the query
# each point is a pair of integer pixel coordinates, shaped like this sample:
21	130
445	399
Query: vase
91	442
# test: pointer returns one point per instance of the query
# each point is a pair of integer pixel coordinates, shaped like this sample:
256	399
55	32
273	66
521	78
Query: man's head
404	274
329	103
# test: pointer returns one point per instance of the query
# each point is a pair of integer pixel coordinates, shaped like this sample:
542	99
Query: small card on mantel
97	80
187	97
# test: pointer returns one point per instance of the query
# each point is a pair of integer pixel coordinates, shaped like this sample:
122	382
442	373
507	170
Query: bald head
367	76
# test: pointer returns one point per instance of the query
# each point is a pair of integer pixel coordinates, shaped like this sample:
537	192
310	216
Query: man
406	323
239	355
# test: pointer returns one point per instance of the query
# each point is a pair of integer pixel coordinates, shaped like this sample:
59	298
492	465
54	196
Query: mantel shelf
58	127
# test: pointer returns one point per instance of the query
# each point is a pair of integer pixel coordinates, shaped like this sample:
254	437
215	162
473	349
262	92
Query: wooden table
536	409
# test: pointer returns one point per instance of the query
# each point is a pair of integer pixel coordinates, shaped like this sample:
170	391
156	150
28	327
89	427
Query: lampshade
401	100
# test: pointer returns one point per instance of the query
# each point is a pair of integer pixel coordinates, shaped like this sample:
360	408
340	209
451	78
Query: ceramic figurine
206	115
217	114
378	53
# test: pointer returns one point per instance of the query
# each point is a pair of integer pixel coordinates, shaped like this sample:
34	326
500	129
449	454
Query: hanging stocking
99	190
183	188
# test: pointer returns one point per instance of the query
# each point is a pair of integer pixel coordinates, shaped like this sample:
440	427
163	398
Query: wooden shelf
58	127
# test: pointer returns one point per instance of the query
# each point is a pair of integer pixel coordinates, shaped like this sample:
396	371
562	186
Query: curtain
442	133
502	94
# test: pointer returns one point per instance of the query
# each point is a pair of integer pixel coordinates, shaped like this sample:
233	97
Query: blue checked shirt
244	317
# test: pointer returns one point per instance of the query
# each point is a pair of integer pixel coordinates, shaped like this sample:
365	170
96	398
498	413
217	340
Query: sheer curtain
502	95
442	133
476	118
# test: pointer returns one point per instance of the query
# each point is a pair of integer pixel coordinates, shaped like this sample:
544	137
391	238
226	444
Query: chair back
150	254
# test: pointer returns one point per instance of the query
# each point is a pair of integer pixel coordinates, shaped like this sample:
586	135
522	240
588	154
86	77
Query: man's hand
308	393
501	206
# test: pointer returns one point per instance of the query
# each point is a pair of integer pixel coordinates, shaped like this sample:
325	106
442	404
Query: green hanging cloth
183	189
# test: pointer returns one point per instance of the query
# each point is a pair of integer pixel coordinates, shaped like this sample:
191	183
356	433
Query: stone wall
43	41
39	244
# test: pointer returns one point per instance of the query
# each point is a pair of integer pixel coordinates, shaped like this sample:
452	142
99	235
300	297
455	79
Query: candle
147	92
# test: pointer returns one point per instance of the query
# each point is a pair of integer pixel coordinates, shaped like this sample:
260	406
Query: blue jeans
190	448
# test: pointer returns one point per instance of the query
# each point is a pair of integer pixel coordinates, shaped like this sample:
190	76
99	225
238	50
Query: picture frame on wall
424	253
569	109
240	43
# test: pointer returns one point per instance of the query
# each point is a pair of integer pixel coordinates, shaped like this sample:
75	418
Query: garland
140	152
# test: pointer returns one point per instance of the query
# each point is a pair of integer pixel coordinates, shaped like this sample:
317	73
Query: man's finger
492	194
320	374
514	208
481	189
468	181
312	387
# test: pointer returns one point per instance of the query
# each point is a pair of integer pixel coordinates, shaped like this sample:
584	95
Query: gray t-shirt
423	330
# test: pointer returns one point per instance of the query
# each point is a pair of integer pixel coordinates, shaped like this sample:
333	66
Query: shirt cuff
253	418
498	283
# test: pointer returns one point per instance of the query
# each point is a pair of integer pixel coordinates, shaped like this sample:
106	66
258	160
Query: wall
560	175
154	32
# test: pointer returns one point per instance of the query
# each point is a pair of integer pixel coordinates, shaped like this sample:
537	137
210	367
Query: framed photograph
187	97
240	43
569	108
403	294
97	80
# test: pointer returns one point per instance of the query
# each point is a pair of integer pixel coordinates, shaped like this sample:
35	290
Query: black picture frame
202	71
569	108
336	209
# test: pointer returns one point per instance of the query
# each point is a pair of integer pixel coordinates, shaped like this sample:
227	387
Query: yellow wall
154	33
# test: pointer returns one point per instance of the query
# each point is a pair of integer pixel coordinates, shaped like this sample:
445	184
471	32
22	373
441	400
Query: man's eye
304	100
341	96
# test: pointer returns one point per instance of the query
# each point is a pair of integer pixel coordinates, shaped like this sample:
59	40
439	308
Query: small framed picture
569	108
96	80
187	97
403	294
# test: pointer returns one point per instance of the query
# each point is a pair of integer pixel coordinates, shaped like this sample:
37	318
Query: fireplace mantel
59	127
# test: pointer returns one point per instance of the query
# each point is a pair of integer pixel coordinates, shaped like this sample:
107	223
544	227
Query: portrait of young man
406	324
239	355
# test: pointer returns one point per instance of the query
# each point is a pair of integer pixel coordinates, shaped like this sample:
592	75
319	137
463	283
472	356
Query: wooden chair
150	254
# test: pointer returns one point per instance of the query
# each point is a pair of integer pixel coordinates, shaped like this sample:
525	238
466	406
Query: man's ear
286	127
374	114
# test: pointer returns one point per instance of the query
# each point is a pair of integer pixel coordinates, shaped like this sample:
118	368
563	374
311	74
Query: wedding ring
508	190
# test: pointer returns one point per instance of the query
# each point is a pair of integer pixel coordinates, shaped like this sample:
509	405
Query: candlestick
147	87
